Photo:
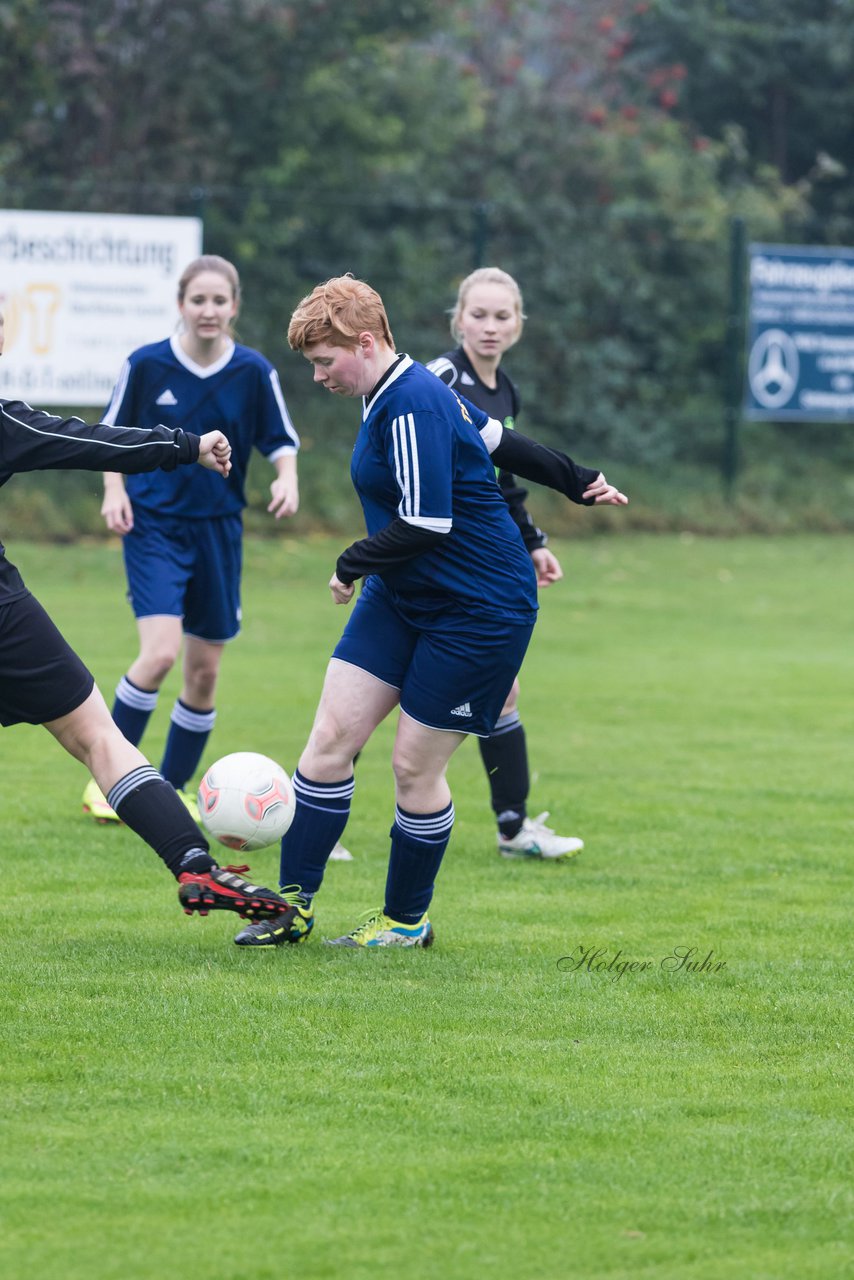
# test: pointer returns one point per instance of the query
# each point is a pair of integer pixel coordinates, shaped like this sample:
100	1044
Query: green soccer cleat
381	931
95	804
289	926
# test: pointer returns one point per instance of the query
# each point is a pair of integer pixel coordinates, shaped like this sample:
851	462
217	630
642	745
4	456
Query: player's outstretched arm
31	440
215	452
534	461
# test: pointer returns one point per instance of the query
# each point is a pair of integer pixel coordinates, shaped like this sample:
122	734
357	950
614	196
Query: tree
778	70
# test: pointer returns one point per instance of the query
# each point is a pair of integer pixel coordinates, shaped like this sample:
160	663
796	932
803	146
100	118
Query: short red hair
336	312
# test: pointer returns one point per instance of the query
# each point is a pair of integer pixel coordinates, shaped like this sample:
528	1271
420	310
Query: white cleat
340	854
536	840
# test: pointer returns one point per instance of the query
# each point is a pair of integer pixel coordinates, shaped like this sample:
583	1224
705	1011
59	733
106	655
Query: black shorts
41	677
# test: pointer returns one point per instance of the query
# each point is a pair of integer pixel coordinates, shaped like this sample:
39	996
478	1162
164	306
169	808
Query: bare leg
352	704
201	670
160	638
420	761
89	734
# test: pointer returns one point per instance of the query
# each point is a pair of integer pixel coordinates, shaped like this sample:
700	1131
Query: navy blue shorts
454	670
41	677
186	569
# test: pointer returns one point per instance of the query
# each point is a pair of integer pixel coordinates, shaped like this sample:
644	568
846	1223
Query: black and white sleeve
393	546
524	457
31	440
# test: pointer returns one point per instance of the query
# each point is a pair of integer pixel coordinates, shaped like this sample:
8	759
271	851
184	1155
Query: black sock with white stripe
150	807
320	816
418	844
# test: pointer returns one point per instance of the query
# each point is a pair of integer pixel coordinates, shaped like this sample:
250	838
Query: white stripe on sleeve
118	395
491	434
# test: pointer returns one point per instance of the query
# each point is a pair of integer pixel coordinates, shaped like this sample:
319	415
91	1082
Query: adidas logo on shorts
464	709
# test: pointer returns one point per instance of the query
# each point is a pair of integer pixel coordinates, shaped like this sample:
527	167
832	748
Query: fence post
733	356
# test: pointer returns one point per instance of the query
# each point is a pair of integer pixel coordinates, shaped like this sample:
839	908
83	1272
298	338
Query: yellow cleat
95	804
190	803
379	930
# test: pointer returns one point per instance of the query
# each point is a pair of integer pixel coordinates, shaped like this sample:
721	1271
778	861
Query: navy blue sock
189	731
320	816
418	844
150	807
132	709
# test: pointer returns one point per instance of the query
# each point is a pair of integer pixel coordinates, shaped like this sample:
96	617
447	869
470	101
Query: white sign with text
79	292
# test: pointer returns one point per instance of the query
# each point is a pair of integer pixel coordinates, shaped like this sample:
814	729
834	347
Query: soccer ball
246	801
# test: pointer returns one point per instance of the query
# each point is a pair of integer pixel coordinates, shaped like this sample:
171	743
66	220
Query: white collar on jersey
200	370
403	363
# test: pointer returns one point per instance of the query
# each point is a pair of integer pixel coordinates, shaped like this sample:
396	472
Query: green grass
175	1106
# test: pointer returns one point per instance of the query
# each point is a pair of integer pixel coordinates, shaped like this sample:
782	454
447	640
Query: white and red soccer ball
246	801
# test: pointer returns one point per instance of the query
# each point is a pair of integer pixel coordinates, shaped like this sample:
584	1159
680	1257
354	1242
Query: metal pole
733	356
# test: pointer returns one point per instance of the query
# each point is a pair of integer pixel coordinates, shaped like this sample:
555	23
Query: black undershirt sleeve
533	461
391	547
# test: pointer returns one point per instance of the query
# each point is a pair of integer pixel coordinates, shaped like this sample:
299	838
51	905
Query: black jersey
31	440
502	403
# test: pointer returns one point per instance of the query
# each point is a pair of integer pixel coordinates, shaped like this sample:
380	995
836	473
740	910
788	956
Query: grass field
174	1106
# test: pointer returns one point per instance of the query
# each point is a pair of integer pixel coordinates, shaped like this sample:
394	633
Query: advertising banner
79	291
800	339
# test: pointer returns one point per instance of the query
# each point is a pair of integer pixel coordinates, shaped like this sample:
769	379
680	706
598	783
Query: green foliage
596	150
393	1109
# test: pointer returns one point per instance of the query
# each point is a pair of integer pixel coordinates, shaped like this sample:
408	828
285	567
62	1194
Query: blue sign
800	338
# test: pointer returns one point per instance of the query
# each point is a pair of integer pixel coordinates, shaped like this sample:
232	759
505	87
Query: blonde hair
486	275
210	262
336	312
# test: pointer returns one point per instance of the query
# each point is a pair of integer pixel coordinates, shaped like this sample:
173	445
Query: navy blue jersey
419	457
239	394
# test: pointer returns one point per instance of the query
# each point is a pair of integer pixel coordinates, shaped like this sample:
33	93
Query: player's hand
547	567
117	509
600	491
215	452
342	592
285	499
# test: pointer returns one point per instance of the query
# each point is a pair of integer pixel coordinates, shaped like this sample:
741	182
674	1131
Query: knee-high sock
505	758
150	807
418	844
189	731
320	816
132	709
